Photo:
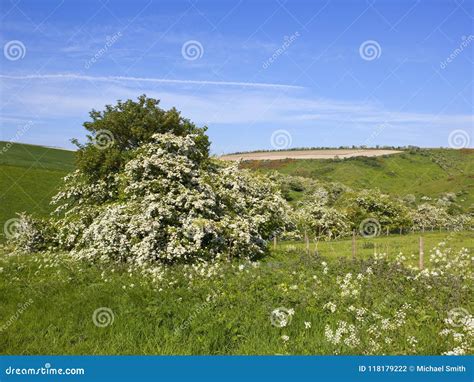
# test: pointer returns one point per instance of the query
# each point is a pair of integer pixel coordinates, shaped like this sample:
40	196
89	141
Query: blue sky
325	73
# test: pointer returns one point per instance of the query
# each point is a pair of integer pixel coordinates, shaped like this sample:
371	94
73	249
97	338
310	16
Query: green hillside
29	176
422	172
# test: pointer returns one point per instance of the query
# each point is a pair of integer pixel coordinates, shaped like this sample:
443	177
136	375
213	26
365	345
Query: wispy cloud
219	103
60	102
81	77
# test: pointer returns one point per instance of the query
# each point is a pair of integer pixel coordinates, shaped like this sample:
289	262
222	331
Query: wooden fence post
422	254
306	240
353	244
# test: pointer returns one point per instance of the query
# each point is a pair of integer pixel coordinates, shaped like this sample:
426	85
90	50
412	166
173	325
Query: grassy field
392	245
52	304
291	302
29	176
419	172
308	154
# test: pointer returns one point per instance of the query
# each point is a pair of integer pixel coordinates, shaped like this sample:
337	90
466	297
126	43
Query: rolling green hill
422	172
29	176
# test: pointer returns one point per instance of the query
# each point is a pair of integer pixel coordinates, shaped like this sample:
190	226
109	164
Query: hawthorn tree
119	129
153	195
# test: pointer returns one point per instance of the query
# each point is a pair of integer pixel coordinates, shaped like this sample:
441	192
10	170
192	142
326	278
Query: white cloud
115	79
72	96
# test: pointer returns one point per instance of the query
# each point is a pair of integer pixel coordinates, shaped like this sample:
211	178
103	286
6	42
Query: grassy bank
29	177
428	172
325	304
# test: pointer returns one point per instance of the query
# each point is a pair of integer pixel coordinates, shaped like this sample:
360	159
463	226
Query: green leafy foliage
127	126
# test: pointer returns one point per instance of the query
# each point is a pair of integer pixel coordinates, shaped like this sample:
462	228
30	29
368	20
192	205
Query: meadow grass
48	303
391	245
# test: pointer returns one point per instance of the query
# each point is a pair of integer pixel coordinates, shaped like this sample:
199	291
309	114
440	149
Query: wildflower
307	325
330	306
285	338
412	341
455	351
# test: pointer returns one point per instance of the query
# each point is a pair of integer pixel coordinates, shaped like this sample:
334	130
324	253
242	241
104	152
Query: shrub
321	221
31	235
372	204
166	201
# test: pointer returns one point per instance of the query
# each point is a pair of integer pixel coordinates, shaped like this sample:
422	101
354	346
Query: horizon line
381	147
